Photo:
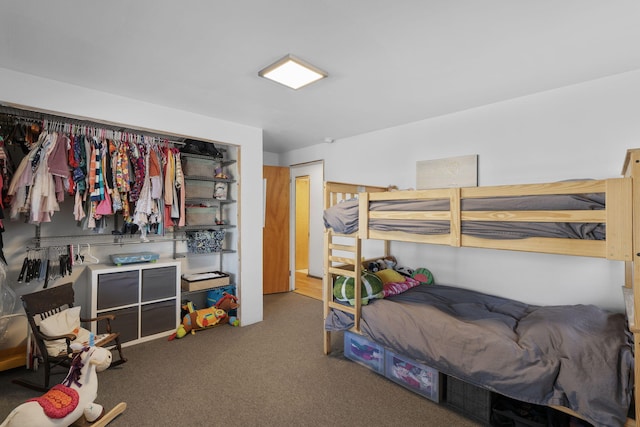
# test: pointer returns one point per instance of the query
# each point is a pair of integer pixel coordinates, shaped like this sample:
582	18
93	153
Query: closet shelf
98	240
208	178
205	157
204	227
190	254
208	201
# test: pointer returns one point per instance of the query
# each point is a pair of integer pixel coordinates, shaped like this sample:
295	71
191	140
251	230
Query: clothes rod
37	117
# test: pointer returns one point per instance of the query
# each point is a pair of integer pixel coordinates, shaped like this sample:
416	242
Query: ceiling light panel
292	72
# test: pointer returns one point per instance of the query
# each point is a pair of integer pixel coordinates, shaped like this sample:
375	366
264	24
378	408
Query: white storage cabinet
145	298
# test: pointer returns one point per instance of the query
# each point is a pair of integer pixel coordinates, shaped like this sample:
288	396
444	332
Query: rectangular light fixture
292	72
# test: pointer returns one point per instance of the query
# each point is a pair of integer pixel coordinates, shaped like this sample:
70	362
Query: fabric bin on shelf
198	215
204	241
195	189
194	166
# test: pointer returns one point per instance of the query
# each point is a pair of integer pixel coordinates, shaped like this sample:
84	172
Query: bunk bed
589	218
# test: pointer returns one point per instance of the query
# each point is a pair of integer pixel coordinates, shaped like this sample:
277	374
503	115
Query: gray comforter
576	356
343	217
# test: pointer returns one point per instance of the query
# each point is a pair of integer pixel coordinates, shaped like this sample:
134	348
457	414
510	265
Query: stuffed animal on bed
381	264
344	289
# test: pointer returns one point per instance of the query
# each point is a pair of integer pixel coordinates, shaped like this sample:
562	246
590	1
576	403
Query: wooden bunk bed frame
343	252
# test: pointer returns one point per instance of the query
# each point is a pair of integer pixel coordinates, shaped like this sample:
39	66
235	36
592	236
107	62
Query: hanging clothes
179	185
127	174
43	194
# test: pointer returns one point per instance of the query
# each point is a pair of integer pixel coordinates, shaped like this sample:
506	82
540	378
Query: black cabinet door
158	283
117	289
126	323
157	317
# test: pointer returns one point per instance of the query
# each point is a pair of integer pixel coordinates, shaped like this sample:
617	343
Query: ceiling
389	62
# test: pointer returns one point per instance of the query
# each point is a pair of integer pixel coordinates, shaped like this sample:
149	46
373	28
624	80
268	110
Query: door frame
315	170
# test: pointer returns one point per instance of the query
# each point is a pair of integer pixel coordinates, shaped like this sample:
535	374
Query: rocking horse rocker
72	402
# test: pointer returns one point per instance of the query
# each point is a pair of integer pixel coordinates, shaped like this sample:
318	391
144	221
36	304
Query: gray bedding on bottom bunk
577	356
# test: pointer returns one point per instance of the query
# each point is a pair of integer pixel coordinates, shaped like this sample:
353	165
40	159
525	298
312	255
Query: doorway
302	224
307	201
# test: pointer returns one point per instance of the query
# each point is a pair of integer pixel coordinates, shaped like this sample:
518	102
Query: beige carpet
268	374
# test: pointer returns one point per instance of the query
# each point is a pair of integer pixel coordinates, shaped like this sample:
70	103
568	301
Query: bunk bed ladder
341	265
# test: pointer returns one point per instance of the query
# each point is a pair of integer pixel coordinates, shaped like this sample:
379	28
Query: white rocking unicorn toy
71	401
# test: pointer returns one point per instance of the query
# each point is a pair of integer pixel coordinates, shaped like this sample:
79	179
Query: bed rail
616	215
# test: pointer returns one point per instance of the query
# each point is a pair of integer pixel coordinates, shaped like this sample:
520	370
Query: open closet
79	194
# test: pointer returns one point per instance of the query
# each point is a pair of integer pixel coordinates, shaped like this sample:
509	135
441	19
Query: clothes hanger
97	261
79	259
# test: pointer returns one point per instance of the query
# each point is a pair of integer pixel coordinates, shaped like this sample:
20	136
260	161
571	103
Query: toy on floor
227	303
72	401
204	318
196	320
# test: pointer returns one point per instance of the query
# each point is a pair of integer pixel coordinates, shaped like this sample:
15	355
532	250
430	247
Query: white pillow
65	322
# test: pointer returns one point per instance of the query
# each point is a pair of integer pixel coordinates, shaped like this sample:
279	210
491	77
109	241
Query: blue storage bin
213	295
364	351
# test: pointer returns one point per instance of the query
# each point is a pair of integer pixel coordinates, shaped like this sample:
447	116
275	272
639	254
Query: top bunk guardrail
615	215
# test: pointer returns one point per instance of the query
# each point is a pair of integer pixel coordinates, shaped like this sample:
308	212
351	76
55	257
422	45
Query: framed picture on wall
459	171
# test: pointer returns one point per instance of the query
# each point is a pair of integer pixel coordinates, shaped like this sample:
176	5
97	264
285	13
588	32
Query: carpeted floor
272	373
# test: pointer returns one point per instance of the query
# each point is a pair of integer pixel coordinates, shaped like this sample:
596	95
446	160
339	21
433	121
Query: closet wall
74	102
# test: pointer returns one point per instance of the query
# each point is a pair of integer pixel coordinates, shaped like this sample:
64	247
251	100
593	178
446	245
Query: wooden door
302	223
275	235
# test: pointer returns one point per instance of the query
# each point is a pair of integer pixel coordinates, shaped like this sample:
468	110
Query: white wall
74	101
271	159
579	131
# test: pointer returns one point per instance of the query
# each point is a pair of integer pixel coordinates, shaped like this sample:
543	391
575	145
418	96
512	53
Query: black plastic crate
469	400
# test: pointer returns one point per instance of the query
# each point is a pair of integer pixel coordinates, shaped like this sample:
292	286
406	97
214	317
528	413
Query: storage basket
214	295
195	189
364	351
415	376
200	215
470	400
220	279
194	166
205	241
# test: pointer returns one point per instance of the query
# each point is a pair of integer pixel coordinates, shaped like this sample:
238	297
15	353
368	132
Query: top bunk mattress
343	217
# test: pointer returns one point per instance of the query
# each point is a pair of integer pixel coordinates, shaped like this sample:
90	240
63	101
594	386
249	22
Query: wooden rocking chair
48	302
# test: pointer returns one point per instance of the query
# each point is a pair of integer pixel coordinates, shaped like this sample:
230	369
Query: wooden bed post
326	289
631	169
